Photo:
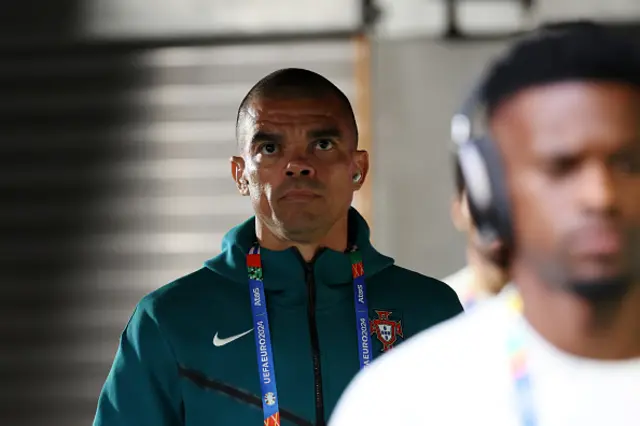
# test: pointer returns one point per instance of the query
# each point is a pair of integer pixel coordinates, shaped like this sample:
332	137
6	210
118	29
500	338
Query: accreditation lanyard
469	300
520	374
266	367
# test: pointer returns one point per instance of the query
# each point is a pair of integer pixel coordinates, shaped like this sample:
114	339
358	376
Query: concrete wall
418	84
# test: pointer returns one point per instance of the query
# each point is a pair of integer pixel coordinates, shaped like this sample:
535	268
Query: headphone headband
462	122
481	169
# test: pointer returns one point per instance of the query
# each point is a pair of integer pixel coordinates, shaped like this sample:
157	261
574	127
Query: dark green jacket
168	372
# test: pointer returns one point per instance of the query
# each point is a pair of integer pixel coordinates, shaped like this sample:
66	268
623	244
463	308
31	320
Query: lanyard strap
266	367
469	300
519	367
262	336
362	308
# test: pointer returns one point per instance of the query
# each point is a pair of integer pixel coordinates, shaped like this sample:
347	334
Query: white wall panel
610	10
150	18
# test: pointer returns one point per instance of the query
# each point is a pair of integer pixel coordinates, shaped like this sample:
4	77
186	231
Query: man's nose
299	167
598	191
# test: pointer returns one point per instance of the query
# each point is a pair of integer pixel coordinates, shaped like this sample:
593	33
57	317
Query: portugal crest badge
386	330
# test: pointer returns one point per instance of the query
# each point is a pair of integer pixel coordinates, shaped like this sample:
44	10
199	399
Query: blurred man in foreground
486	272
298	293
559	179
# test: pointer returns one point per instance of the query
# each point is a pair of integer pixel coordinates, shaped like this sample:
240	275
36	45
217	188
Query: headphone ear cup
486	190
477	184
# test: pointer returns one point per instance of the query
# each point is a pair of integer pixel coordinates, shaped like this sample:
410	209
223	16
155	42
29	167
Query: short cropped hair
295	83
564	51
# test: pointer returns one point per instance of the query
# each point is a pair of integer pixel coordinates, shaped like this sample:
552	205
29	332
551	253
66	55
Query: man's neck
335	239
487	278
579	327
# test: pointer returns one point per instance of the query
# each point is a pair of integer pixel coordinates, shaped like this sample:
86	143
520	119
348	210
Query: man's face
297	165
572	158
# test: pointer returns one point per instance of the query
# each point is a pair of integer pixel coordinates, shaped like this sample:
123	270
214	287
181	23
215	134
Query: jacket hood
332	267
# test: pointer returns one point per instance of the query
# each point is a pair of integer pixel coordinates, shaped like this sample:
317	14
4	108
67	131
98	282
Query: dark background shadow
53	122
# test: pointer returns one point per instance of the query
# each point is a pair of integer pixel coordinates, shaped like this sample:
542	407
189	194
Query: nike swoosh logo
217	342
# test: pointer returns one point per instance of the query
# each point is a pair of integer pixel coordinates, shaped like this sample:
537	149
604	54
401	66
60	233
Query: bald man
272	330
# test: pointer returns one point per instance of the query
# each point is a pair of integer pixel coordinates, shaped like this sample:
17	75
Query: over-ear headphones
357	177
482	171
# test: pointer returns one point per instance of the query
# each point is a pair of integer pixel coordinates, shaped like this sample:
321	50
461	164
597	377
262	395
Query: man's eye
562	166
268	148
627	162
324	144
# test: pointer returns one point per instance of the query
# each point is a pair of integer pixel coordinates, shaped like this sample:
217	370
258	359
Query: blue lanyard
521	376
266	367
362	309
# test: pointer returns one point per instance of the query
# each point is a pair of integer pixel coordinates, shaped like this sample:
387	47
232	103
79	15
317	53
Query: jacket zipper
315	344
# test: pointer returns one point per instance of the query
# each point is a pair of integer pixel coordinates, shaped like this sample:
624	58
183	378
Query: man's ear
361	160
237	173
460	213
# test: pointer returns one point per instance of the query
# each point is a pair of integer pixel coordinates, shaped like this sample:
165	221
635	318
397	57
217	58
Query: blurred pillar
47	158
362	106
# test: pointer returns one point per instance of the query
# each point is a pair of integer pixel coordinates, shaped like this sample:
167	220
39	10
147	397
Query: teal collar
285	270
